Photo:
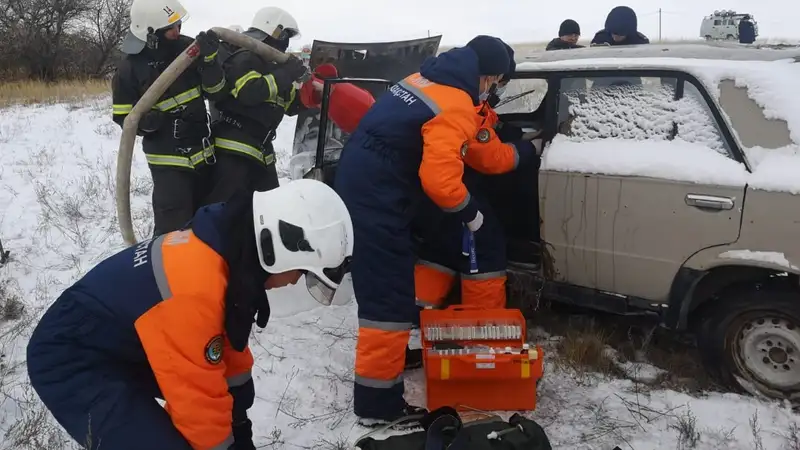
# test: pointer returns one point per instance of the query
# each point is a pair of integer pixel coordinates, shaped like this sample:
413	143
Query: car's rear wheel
750	339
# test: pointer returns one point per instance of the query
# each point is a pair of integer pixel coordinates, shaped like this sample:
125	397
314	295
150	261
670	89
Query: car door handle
709	201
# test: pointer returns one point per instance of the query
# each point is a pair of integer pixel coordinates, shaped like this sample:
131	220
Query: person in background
176	136
747	31
170	318
621	28
568	34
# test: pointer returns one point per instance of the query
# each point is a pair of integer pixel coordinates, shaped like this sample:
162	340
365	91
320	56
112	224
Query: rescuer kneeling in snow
170	318
411	143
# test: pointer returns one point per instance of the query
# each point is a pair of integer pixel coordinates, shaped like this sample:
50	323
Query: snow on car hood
773	85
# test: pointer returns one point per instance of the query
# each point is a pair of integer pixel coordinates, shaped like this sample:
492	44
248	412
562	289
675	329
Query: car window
635	108
522	96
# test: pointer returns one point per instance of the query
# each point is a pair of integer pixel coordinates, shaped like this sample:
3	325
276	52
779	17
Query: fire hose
150	97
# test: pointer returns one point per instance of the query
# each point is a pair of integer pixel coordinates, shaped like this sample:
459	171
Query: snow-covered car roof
770	75
657	55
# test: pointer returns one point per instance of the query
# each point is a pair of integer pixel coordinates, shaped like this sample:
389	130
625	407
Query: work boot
413	358
523	254
409	417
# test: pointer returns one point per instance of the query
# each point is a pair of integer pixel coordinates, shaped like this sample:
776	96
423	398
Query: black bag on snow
443	430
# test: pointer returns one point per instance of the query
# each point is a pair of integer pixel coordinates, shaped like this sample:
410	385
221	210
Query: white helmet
304	225
275	22
149	16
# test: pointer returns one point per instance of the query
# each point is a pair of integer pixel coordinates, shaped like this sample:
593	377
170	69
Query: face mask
483	96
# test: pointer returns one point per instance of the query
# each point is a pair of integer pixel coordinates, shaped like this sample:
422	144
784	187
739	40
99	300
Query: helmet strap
152	39
277	44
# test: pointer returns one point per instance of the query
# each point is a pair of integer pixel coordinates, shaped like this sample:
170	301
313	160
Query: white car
669	184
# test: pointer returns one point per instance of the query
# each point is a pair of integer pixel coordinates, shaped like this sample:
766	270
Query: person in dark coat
261	93
747	31
621	28
568	34
175	132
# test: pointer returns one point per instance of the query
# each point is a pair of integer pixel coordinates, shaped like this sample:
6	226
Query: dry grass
30	92
587	338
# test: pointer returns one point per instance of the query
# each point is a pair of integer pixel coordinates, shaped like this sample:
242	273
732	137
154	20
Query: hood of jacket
622	21
456	68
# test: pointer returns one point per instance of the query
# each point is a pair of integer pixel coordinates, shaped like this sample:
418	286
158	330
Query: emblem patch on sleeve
483	135
213	350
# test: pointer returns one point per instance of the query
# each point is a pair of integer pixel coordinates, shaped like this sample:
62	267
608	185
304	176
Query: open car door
371	66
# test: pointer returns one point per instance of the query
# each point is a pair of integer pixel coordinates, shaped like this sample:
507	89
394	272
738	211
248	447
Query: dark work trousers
233	172
98	394
177	195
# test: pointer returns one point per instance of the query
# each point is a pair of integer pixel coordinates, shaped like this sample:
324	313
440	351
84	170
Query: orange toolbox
477	358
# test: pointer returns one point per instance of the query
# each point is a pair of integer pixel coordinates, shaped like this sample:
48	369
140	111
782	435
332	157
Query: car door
372	66
636	181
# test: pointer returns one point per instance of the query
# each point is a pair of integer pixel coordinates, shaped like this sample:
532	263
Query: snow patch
777	258
671	160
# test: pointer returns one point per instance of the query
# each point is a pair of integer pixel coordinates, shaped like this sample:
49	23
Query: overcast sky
511	20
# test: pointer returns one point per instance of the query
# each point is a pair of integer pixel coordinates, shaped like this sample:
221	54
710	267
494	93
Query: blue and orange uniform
410	145
440	254
147	323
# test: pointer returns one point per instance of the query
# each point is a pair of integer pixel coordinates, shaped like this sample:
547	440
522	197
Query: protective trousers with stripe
383	281
442	258
243	163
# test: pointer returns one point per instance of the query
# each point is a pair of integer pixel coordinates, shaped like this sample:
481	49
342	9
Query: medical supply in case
478	358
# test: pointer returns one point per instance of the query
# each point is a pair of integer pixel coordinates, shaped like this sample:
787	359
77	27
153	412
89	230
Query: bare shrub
792	437
10	302
755	429
686	426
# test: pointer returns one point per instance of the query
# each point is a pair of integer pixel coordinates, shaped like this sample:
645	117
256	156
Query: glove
243	436
311	91
288	72
476	223
208	41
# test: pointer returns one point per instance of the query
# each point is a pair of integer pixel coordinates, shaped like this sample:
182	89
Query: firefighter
410	144
442	255
170	318
261	93
175	133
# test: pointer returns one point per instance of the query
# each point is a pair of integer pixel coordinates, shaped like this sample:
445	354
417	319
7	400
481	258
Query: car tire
750	340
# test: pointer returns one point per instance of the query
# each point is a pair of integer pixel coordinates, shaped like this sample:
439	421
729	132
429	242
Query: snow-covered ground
57	218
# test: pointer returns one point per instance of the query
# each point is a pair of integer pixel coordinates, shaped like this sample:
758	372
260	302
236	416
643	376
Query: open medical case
477	358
